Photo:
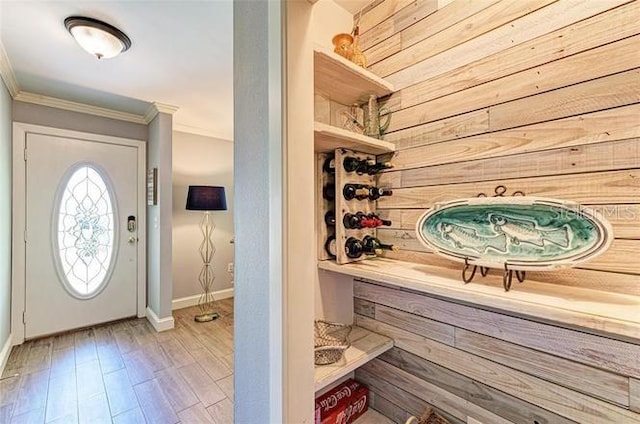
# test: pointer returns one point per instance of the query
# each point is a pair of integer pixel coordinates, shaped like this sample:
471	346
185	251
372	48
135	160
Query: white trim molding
38	99
5	352
160	324
185	302
6	72
156	108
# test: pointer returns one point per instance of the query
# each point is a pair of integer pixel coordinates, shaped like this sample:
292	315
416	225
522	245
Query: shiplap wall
541	96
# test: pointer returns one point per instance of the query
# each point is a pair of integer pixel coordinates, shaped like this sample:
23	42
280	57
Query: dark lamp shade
206	198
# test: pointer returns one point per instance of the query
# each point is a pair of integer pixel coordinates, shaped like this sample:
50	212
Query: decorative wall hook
500	191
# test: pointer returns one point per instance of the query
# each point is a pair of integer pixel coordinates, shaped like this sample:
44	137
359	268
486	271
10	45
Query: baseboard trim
185	302
5	352
160	324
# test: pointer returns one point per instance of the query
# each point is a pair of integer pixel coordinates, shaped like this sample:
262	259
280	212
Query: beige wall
200	160
5	215
539	96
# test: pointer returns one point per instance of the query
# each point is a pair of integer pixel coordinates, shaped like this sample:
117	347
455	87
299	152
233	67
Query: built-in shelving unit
343	81
365	345
328	138
610	314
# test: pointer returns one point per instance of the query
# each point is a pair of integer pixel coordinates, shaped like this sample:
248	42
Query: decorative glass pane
85	238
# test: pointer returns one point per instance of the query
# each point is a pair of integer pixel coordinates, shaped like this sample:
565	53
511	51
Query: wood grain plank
63	361
381	12
222	412
176	389
482	22
138	369
195	414
613	355
387	408
435	330
62	399
94	409
177	353
154	403
508	407
596	63
606	156
134	416
227	386
603	93
529	27
595	31
407	16
364	307
557	399
439	397
109	357
634	394
85	345
120	393
460	126
203	386
384	49
587	129
595	188
33	393
211	364
89	380
405	400
591	381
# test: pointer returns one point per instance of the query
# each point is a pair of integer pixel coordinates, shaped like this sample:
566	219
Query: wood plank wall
541	96
494	368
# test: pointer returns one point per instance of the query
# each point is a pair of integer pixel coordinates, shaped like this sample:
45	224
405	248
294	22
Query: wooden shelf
328	138
365	346
610	314
343	81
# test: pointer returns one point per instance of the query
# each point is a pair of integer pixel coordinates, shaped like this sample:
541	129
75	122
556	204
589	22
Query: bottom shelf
365	346
373	417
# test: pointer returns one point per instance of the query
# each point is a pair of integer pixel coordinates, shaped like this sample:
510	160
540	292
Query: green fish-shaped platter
524	233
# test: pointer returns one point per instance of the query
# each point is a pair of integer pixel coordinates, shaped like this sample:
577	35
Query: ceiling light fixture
98	38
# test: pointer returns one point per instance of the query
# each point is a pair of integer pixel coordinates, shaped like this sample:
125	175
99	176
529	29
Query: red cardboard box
343	404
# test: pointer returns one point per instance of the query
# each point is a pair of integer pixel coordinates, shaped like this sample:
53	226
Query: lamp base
206	317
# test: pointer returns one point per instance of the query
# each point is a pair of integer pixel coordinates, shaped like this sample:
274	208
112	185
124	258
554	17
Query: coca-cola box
343	404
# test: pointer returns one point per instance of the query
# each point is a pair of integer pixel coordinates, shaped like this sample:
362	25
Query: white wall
5	214
159	221
199	160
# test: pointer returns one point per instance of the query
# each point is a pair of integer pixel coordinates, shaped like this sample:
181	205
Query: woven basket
429	416
331	340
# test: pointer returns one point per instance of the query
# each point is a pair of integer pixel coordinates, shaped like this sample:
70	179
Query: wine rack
323	206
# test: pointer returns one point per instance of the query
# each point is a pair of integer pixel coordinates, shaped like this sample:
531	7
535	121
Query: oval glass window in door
85	238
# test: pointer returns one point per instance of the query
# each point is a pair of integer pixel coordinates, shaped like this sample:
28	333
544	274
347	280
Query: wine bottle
330	246
373	221
377	192
372	246
330	219
353	164
329	191
353	221
355	191
329	165
353	248
378	167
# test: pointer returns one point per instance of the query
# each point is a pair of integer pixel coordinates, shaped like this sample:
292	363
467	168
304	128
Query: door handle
131	240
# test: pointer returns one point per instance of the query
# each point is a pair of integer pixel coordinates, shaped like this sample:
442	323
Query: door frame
19	188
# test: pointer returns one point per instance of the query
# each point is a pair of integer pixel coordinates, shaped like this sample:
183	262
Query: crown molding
199	131
54	102
6	72
156	108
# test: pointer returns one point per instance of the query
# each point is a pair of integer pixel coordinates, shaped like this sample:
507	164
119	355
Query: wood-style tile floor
125	372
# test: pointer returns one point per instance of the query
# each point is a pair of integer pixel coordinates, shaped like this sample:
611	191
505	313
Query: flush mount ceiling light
96	37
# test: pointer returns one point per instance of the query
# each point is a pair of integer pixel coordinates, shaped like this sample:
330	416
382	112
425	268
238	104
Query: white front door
81	233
